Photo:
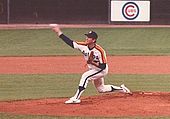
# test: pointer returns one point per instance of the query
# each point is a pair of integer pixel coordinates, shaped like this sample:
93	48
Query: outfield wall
72	11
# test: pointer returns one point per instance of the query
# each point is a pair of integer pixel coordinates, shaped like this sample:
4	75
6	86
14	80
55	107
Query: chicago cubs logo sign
130	10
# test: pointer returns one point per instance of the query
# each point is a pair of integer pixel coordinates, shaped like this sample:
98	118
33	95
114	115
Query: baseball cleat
125	89
73	101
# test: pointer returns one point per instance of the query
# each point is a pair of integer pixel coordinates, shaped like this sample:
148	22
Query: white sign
130	10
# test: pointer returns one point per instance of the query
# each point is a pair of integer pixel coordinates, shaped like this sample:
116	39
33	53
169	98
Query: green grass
116	41
13	87
8	116
16	87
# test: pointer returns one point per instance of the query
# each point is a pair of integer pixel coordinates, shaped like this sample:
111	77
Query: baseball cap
92	34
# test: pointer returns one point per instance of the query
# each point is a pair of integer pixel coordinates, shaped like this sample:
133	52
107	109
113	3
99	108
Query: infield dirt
76	64
107	105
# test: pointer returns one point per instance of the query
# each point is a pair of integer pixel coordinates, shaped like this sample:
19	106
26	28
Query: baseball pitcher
95	57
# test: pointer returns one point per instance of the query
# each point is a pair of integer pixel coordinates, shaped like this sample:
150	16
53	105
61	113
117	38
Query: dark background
73	11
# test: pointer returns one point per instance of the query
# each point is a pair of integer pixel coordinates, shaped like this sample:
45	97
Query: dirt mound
107	105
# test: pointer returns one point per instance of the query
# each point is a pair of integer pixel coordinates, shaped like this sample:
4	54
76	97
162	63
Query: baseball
53	25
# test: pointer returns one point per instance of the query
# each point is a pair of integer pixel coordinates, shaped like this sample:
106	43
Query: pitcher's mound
104	105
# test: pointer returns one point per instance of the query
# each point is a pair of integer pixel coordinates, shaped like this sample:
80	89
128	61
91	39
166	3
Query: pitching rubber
53	25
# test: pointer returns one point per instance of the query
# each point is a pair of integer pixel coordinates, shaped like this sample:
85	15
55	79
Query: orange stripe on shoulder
103	55
81	43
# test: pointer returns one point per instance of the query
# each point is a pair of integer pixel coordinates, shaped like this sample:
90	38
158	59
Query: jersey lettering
99	53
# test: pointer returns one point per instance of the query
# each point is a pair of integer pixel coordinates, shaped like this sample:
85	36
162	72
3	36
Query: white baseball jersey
94	73
99	53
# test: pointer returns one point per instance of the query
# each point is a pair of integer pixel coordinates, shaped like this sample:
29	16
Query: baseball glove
91	58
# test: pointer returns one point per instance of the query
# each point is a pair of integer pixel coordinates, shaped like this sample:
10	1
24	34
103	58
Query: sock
79	92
